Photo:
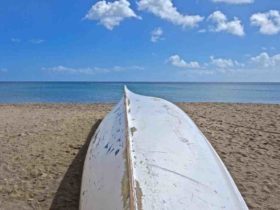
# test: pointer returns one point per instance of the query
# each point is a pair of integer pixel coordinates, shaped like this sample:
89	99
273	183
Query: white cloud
89	70
33	41
224	65
222	62
202	30
167	11
234	1
269	22
37	41
177	61
264	60
110	14
64	69
15	40
3	70
223	24
156	34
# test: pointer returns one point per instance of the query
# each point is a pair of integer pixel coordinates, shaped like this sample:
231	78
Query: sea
111	92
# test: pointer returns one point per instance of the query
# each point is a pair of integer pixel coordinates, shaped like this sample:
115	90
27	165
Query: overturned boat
148	154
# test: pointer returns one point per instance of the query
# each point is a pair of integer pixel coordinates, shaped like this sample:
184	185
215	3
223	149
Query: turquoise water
94	92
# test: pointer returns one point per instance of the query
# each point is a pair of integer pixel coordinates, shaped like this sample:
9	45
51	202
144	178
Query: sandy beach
42	149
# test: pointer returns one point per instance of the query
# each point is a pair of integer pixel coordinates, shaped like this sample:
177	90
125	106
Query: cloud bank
89	70
262	61
177	61
223	63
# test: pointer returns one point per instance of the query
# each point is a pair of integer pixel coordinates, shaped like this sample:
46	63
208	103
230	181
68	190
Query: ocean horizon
111	92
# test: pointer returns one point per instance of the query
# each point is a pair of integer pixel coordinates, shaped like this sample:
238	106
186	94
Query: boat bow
148	154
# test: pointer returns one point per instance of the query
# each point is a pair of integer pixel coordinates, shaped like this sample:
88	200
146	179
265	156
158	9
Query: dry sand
42	148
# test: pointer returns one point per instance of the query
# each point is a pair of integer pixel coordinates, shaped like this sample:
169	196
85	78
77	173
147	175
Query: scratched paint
104	182
148	154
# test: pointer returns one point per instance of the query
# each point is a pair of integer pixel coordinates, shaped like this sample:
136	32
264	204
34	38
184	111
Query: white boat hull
148	154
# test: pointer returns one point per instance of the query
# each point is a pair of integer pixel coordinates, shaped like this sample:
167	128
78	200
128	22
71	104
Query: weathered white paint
164	162
105	167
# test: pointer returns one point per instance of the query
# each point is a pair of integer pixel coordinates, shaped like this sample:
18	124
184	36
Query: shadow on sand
68	193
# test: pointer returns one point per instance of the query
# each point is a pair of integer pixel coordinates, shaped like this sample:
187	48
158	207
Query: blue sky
140	40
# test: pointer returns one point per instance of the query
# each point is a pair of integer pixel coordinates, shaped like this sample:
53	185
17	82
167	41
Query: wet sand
42	149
